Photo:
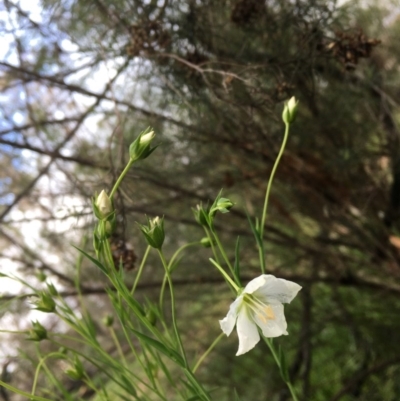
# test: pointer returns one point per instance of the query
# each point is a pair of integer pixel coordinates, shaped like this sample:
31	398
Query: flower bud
290	110
154	232
77	371
102	206
45	303
222	205
140	147
108	320
52	290
104	229
41	276
37	332
151	316
201	215
206	242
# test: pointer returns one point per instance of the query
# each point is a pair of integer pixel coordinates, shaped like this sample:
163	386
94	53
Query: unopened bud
290	110
154	232
37	332
45	303
108	320
222	205
200	214
205	242
140	147
103	206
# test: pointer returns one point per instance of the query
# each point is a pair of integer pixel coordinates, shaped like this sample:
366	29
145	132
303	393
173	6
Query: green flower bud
201	215
151	316
222	205
154	232
205	242
45	303
77	371
140	147
290	110
108	320
105	229
52	290
37	333
41	276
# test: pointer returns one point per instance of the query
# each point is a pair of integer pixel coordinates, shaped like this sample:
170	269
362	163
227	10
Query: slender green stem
170	265
118	345
225	274
139	273
173	315
39	366
121	177
77	281
267	194
276	357
204	356
222	250
209	236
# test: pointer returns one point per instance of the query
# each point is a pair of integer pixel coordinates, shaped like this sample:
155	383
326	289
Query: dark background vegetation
80	79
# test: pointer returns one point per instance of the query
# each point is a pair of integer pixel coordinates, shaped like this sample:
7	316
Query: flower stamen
263	311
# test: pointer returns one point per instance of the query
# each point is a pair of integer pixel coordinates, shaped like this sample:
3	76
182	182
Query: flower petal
255	284
275	325
247	332
276	290
228	322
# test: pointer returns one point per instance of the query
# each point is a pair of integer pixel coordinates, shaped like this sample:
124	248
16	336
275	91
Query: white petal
228	322
247	332
276	290
255	284
275	325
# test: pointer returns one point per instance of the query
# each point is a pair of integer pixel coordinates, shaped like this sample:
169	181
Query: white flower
259	304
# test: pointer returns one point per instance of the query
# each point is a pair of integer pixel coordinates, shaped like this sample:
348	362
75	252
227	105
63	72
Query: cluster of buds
104	210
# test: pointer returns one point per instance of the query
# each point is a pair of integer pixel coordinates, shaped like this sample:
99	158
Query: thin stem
210	348
39	366
267	194
225	274
171	288
221	249
121	177
209	236
276	357
118	345
139	273
170	264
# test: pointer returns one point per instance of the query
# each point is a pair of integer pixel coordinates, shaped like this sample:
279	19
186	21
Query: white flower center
260	309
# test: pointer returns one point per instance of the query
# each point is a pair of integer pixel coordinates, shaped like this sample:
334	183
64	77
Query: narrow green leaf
255	231
236	396
23	393
170	353
95	261
236	267
283	365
